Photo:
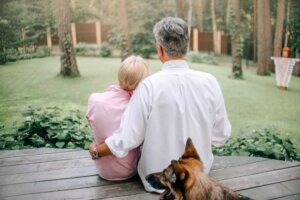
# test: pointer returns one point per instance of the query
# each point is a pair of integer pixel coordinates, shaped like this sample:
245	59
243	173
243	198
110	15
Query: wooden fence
96	33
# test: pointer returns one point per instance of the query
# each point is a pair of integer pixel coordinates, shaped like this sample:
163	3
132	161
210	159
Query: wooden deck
70	174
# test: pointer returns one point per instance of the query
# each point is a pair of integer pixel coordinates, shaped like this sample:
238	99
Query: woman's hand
92	146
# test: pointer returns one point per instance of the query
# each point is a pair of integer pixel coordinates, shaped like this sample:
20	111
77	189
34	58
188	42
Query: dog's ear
178	169
190	150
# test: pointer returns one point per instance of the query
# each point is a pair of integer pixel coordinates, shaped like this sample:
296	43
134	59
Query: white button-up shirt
166	109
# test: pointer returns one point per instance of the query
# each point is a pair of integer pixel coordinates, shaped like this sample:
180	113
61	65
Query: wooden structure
70	174
203	41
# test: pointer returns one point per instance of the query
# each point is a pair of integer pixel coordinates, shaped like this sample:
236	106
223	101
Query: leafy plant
105	50
48	128
197	57
265	142
143	44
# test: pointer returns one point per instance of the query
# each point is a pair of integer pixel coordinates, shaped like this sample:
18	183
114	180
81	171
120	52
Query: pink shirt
104	113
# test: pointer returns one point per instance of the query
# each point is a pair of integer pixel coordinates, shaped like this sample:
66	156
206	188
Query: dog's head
179	176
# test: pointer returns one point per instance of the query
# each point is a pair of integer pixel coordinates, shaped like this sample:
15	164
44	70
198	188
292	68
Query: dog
185	179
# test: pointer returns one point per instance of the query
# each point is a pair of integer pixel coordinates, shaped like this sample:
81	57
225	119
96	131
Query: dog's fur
185	179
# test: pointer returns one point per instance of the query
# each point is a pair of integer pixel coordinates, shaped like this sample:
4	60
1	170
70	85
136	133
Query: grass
254	102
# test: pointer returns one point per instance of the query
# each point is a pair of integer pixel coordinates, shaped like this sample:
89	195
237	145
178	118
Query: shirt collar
117	88
175	64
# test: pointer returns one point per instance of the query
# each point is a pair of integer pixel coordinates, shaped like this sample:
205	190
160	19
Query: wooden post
195	39
219	42
49	39
73	32
98	32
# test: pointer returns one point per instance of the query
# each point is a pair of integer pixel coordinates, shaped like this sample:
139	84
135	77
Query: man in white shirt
169	107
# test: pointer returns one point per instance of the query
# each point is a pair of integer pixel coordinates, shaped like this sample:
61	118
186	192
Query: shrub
205	58
84	49
3	58
105	50
143	44
48	128
39	52
265	142
81	48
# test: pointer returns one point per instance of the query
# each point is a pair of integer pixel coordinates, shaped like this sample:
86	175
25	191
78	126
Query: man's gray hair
172	34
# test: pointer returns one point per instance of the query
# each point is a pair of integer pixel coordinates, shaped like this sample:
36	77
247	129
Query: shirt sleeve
133	124
222	128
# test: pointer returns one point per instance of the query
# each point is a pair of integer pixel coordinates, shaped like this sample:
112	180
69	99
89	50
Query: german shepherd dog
185	179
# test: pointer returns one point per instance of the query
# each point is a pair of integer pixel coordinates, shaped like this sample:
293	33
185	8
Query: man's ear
160	50
190	150
178	170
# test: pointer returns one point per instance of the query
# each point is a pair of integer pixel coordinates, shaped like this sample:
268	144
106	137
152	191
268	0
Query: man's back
166	109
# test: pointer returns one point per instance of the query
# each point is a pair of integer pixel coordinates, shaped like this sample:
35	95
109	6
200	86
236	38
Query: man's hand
91	149
102	150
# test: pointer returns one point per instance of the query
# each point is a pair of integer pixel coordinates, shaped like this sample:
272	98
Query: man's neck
166	59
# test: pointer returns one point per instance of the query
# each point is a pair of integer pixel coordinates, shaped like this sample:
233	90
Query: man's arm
132	128
222	127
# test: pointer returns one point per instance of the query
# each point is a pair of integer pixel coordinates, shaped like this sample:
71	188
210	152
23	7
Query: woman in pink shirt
104	113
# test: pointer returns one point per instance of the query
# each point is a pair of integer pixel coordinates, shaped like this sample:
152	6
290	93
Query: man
168	107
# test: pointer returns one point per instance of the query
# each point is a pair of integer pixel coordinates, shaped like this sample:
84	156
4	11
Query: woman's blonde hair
133	69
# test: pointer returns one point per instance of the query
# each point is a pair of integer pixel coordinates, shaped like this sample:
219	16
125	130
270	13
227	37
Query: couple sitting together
144	122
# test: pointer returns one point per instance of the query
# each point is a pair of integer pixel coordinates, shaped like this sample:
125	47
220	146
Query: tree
295	32
200	8
126	49
181	8
217	49
264	37
279	30
68	58
237	40
189	19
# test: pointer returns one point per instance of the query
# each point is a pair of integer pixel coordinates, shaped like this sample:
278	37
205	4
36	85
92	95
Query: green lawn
254	102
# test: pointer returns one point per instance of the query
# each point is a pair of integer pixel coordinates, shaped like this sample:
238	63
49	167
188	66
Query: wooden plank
108	191
43	158
52	186
46	166
231	161
144	196
290	197
273	191
252	168
260	179
28	152
48	175
58	185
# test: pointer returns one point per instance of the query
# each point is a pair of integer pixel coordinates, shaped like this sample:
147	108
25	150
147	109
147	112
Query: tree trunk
264	40
236	39
180	8
189	20
200	8
255	30
294	40
126	49
279	28
214	28
297	65
67	57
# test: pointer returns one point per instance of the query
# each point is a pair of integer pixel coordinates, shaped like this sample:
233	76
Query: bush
143	44
105	50
3	58
39	52
48	128
205	58
84	49
267	143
